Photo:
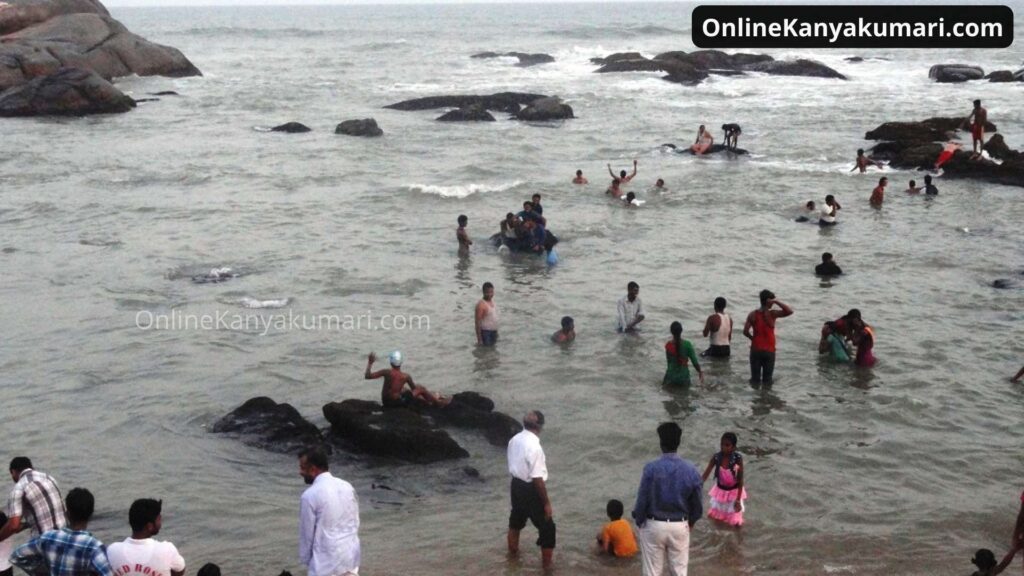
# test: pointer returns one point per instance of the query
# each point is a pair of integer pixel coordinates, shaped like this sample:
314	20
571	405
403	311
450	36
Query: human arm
737	505
692	355
177	562
711	324
694	502
368	375
612	174
784	309
639	314
634	170
11	527
748	327
542	493
1018	528
478	317
1020	374
620	315
707	471
642	500
1007	559
28	556
408	380
307	525
101	564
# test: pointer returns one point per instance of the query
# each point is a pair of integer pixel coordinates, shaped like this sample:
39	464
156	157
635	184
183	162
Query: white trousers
664	543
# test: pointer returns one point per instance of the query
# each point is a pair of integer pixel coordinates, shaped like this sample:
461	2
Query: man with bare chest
392	394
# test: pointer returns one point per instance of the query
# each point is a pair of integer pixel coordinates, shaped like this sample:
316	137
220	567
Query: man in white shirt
142	555
630	309
528	467
328	519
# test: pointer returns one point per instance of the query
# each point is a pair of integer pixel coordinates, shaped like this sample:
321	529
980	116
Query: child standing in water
728	494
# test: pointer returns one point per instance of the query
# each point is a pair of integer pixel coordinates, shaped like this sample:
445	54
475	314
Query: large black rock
263	423
366	127
525	59
693	67
68	92
543	109
955	72
395	433
503	101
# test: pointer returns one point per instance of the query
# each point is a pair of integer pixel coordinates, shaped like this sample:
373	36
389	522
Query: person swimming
567	333
579	179
913	188
614	189
623	179
808	210
863	162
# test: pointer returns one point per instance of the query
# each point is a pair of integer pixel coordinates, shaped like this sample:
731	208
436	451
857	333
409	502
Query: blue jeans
489	337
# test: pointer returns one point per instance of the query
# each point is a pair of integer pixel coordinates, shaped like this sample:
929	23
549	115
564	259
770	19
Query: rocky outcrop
265	424
396	433
918	145
365	127
955	72
525	60
544	109
693	67
939	128
39	37
1000	76
474	113
715	149
502	101
471	410
67	92
291	128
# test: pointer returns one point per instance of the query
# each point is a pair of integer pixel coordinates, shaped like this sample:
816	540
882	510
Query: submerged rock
502	101
474	113
800	67
715	149
365	127
42	36
69	91
1000	76
935	129
525	59
543	109
291	128
263	423
618	56
693	67
955	72
395	433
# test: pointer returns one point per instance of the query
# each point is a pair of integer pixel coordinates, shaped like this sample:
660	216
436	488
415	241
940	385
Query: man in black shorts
528	467
732	135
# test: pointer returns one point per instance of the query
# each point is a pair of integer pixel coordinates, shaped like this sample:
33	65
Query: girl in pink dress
728	494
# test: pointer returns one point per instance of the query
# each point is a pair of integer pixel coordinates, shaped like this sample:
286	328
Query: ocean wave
247	302
462	190
594	32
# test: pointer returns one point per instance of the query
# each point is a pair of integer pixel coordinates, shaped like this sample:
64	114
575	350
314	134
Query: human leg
678	544
652	553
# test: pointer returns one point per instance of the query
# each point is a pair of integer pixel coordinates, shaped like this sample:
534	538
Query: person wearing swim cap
392	394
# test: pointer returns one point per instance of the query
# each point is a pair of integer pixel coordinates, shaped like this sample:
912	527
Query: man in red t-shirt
760	329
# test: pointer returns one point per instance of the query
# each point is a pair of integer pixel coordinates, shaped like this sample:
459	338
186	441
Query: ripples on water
903	469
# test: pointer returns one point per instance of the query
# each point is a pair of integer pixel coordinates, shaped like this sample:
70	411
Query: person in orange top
616	538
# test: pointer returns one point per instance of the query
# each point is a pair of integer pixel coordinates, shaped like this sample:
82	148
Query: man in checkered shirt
35	501
70	551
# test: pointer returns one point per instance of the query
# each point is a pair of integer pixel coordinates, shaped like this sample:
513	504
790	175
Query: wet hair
614	509
536	197
853	314
860	151
677	340
632	285
984	559
534	420
826	256
315	456
913	183
720	304
567	322
527	203
20	463
630	197
660	182
723	126
80	505
701	127
883	180
463	219
830	198
765	296
730	437
977	102
144	511
669	434
579	172
810	204
209	569
486	286
622	173
927	178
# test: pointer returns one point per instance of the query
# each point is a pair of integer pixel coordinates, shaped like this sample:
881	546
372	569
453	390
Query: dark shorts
526	505
489	337
717	351
401	402
823	223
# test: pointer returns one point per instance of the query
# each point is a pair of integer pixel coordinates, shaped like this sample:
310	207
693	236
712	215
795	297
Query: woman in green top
679	353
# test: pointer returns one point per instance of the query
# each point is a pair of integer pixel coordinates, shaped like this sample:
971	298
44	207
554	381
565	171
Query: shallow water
904	469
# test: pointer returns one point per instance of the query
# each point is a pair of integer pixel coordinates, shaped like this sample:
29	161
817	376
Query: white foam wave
247	302
462	190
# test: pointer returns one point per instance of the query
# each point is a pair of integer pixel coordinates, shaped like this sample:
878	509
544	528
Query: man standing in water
486	318
623	179
391	394
328	519
630	309
878	194
668	504
760	329
977	119
529	470
719	327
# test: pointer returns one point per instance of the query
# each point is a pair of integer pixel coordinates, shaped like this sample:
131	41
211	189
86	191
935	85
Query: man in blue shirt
668	503
69	551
